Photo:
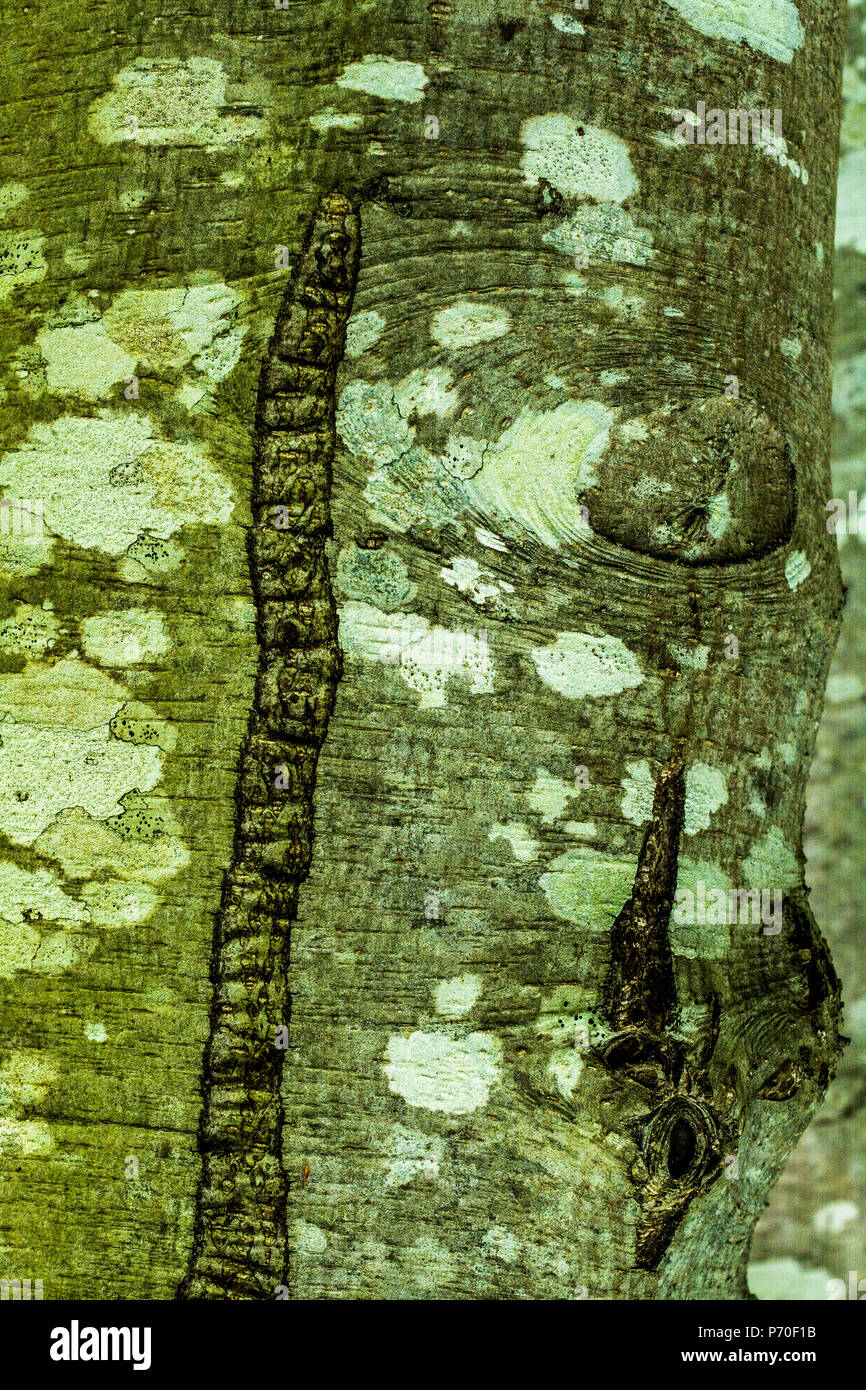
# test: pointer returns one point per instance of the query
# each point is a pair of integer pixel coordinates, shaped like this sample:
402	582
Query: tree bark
531	637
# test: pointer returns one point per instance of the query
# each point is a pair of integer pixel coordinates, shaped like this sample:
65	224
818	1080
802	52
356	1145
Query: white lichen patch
564	1070
58	749
363	331
581	829
489	540
566	24
28	630
25	1076
467	323
579	665
375	576
436	1071
42	928
425	392
698	926
371	424
835	1217
167	329
592	164
588	887
797	569
791	349
106	479
172	101
706	792
426	656
523	846
457	997
82	360
549	794
96	1032
466	575
771	863
331	119
84	847
388	78
11	195
21	260
692	655
502	1244
790	1280
531	475
606	232
413	1156
307	1239
123	637
768	26
639	789
850	203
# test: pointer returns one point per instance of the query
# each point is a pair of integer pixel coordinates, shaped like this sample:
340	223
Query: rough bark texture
512	1071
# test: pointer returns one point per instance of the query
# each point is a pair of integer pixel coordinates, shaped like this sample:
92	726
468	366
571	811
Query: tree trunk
490	751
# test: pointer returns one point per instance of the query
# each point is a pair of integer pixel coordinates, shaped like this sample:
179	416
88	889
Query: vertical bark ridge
239	1242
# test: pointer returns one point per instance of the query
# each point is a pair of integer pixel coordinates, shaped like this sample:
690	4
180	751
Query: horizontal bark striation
239	1247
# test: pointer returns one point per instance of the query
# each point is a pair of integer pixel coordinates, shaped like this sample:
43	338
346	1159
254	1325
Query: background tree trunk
581	443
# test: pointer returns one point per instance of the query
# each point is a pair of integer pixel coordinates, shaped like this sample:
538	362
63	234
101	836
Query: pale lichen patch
523	846
469	322
457	997
549	794
769	26
582	160
579	665
125	636
426	656
105	479
531	475
21	260
385	77
363	331
440	1072
797	569
82	359
173	101
412	1156
588	887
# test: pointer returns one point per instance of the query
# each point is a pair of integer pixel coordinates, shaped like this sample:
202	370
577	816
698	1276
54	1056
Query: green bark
552	507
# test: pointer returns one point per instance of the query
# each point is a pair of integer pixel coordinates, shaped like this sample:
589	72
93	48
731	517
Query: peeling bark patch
435	1071
240	1239
771	26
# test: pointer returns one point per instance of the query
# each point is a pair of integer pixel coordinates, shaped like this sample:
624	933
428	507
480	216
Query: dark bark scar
239	1246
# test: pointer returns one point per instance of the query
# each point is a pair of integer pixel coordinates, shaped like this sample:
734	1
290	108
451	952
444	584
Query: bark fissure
239	1246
